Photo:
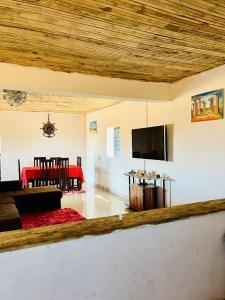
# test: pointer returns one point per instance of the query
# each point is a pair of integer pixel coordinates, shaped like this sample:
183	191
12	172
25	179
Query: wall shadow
170	141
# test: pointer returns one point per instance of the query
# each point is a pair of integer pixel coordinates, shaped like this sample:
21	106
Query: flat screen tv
150	143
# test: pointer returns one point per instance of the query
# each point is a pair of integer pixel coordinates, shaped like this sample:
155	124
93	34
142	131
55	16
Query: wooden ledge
18	239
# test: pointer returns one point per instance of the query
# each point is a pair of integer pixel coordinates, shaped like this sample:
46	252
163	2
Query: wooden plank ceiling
40	102
148	40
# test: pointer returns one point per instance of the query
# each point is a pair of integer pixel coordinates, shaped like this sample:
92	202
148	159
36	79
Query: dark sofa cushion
38	199
9	217
14	202
13	185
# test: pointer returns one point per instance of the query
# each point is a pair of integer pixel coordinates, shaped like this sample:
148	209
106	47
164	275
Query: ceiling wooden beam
40	102
161	41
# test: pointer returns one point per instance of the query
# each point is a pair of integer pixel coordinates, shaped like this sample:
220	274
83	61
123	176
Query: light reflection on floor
95	203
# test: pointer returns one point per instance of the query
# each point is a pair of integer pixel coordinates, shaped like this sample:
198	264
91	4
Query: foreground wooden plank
19	239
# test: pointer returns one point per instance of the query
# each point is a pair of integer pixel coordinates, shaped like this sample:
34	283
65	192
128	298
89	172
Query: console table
145	194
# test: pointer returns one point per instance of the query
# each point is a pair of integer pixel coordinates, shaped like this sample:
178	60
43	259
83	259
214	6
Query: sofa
14	200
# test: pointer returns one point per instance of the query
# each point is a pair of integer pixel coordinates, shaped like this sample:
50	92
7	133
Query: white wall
108	172
197	149
21	137
178	260
44	80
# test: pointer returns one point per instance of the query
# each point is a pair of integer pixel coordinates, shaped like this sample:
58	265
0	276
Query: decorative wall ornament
49	128
207	106
14	97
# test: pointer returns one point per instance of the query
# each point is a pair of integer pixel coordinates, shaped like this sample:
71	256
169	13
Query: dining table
32	173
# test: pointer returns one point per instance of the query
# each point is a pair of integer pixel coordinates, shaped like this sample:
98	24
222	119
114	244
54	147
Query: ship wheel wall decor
49	129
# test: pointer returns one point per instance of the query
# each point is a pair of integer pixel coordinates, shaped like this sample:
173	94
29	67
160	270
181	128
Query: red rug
52	217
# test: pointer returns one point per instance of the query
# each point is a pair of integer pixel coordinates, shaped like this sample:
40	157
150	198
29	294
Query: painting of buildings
207	106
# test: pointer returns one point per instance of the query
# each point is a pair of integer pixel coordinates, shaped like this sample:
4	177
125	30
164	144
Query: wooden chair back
46	172
19	169
55	160
37	160
79	164
63	174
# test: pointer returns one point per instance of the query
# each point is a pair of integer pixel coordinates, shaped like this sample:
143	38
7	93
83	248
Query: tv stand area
144	195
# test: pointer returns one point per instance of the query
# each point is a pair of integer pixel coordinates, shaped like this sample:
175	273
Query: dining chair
79	161
32	181
55	160
19	169
62	171
46	173
75	181
37	160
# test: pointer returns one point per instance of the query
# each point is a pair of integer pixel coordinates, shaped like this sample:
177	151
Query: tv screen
150	143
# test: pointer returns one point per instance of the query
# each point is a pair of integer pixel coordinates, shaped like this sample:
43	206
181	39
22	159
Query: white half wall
178	260
44	80
196	150
21	137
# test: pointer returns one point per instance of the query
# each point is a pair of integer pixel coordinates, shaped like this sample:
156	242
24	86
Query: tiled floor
95	203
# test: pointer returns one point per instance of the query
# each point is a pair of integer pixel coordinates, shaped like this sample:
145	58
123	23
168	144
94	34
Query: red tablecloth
34	172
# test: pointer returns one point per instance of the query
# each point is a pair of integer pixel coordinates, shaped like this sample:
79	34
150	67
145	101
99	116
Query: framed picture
207	106
93	127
